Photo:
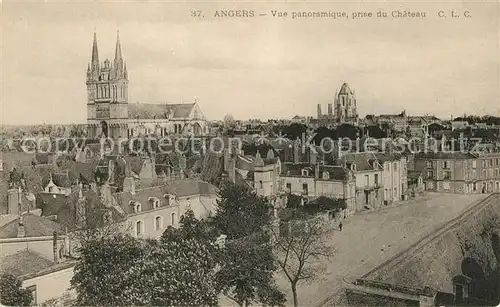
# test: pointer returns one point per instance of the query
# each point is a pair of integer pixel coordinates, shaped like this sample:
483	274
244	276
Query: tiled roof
149	111
212	168
135	163
24	262
291	169
363	160
386	157
444	155
179	188
334	172
34	226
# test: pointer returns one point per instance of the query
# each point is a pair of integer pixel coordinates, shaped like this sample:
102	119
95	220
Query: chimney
313	155
227	157
129	185
316	171
296	151
111	172
232	169
14	201
20	228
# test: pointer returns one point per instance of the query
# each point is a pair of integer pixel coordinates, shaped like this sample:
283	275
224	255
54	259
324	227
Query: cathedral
343	109
345	106
109	113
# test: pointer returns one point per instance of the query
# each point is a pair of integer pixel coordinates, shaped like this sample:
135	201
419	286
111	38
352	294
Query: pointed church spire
118	50
118	57
95	53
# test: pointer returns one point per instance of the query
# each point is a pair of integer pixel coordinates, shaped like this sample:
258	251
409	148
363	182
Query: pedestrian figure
340	226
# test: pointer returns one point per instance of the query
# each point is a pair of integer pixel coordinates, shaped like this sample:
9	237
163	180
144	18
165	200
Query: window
446	164
474	186
429	164
446	185
491	162
446	175
474	164
289	187
484	173
496	162
353	167
367	180
326	176
305	189
395	166
137	208
158	223
260	184
139	228
173	219
430	174
305	172
474	174
376	178
156	203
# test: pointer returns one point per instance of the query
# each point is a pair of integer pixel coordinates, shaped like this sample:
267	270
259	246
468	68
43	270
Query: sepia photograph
250	153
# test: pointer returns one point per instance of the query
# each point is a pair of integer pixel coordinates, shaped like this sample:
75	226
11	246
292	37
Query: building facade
456	172
109	113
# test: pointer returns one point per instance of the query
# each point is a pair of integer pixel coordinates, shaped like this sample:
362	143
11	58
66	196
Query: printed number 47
196	13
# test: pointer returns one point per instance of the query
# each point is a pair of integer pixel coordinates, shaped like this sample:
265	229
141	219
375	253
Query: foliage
246	274
240	212
248	263
104	274
12	293
297	253
293	201
293	131
324	203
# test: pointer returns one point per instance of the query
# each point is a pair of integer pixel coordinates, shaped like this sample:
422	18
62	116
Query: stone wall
468	245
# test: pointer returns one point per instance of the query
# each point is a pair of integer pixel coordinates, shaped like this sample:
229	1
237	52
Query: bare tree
299	250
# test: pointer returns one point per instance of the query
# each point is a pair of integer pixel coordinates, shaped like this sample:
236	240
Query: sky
262	67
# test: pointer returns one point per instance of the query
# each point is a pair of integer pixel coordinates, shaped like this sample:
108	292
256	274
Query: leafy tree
183	272
294	201
240	212
294	131
248	263
177	270
297	252
105	272
12	293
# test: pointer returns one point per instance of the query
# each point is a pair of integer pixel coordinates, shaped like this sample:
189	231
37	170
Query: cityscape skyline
433	68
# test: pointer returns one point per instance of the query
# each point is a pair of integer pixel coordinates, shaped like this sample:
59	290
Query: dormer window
353	167
326	175
155	201
305	172
136	206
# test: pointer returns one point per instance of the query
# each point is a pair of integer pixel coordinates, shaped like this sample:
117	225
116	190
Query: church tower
345	106
107	95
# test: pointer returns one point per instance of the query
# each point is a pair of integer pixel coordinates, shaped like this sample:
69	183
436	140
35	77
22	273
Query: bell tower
107	95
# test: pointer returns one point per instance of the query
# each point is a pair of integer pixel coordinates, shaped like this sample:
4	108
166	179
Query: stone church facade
109	113
345	106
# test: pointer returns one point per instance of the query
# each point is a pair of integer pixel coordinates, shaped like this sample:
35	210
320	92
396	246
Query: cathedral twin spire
117	71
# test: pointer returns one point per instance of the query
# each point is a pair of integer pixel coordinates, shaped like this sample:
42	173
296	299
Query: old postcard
284	153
